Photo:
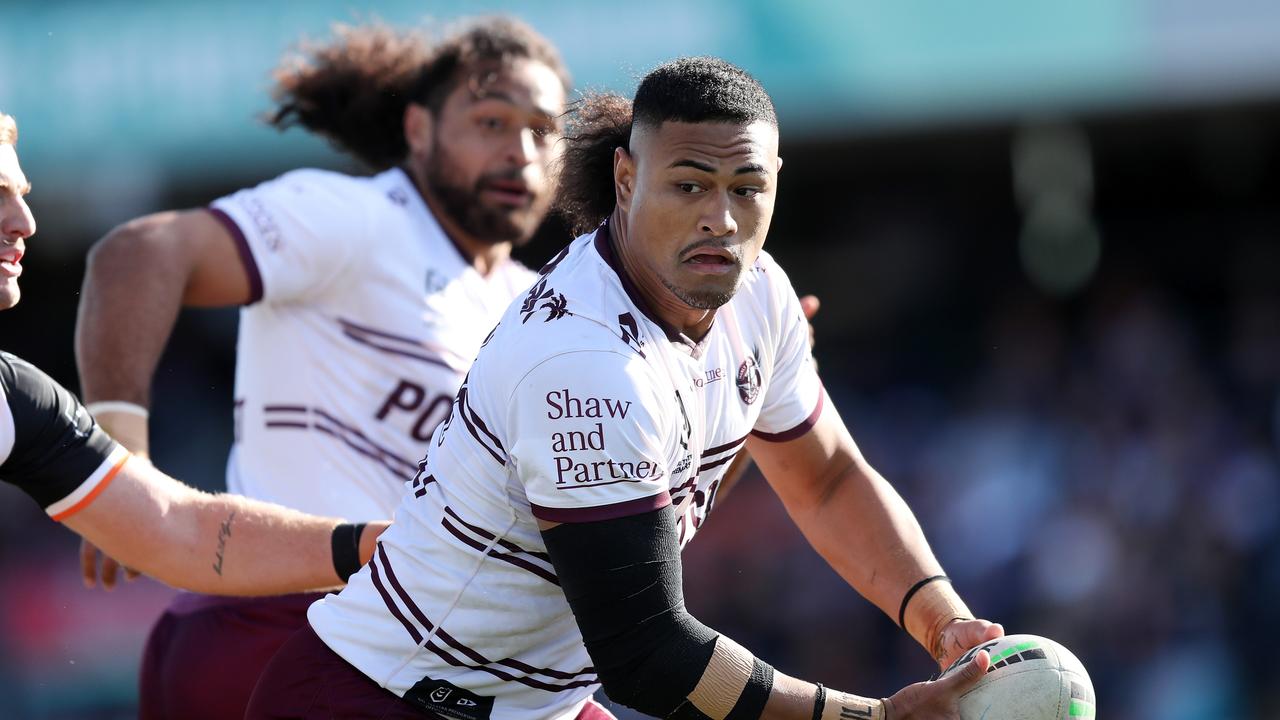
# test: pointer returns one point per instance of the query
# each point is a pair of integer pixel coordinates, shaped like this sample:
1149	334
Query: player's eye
748	192
490	122
689	187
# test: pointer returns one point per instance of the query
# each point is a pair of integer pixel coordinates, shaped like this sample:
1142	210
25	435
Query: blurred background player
365	300
537	556
51	448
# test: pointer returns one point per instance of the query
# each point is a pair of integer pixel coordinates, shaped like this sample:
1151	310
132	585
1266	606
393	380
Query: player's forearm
132	293
868	534
218	544
243	547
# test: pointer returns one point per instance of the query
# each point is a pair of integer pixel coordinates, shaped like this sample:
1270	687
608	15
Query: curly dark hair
354	90
693	89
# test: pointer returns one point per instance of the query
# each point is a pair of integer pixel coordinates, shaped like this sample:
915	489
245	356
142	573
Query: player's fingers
89	564
110	570
810	305
969	675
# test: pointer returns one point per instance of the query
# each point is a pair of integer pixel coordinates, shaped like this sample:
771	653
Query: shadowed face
16	225
701	201
487	162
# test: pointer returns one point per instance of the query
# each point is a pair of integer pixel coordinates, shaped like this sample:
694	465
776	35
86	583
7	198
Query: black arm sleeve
623	581
55	445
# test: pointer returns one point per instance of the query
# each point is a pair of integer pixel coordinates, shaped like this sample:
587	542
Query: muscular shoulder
570	307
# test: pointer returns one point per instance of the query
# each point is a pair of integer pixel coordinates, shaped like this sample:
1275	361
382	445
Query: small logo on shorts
444	699
749	380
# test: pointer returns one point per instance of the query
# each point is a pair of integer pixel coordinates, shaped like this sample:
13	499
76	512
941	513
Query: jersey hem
598	513
804	426
245	252
91	488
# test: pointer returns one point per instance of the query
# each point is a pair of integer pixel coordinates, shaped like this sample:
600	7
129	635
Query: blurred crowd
1108	479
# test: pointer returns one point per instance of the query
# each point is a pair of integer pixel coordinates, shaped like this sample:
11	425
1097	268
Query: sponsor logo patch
449	701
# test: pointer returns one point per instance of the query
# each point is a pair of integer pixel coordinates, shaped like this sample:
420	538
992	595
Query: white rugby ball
1030	678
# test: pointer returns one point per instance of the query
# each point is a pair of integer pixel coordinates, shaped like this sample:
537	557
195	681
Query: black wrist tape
345	543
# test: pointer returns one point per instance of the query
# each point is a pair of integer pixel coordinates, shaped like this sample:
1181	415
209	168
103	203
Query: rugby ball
1030	678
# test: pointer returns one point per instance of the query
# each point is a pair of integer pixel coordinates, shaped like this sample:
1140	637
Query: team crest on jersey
749	380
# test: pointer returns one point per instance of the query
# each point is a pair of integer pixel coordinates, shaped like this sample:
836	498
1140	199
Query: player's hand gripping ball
1030	678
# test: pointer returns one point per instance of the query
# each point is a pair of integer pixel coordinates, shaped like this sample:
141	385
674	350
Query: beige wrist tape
843	706
723	681
931	610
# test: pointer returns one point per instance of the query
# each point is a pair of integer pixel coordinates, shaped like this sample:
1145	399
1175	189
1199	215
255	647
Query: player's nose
523	149
16	221
717	219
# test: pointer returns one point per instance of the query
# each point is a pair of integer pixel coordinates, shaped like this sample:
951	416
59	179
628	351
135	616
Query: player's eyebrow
744	170
549	113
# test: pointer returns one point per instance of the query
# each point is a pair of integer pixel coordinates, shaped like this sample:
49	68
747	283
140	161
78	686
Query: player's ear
624	177
419	129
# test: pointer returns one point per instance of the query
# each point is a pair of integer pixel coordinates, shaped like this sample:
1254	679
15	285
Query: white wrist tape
843	706
117	406
722	683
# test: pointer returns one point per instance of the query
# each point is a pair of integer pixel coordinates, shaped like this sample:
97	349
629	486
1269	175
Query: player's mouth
10	265
512	193
710	261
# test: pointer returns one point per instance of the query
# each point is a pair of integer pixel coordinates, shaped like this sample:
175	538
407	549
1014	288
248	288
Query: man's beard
708	299
464	206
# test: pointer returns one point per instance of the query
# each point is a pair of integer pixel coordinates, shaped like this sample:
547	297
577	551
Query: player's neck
694	323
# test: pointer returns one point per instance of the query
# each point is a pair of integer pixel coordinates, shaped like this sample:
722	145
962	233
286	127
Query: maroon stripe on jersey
285	417
510	559
490	536
717	463
798	430
464	409
378	340
602	512
604	246
337	435
411	466
726	446
475	656
246	253
391	604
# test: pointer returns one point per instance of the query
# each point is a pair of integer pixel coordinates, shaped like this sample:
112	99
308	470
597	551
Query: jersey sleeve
794	396
50	447
296	234
590	438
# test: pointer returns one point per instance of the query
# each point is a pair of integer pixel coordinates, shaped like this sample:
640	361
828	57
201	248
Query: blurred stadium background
1047	239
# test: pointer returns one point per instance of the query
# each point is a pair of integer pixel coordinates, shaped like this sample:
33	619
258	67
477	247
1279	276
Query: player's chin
9	293
708	295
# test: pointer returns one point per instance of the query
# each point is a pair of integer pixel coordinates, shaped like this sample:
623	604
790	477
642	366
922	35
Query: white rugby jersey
581	405
365	319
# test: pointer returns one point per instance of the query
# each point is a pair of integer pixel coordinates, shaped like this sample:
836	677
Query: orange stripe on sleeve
93	494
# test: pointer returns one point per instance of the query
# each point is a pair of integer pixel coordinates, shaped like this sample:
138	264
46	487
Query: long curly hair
354	90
